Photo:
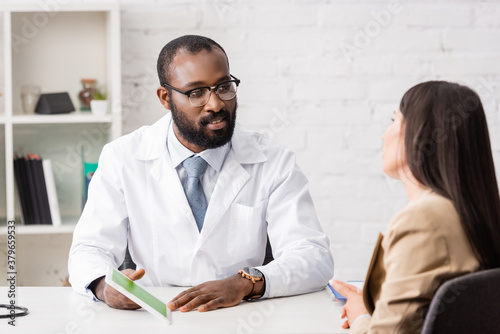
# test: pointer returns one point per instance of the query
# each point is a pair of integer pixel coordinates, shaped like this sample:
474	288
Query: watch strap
253	294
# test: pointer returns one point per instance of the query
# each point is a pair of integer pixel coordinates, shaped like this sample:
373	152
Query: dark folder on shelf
41	192
32	191
21	179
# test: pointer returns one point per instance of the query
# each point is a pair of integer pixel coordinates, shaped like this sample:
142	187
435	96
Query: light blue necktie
194	192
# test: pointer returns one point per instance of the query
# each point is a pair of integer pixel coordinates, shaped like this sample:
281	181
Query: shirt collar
178	153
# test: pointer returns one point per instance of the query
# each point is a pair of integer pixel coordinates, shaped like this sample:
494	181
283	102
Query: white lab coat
136	195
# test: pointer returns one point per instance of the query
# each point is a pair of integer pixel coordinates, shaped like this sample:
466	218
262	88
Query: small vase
85	95
29	98
99	107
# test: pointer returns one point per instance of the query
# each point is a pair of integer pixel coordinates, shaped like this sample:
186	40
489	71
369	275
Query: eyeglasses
200	96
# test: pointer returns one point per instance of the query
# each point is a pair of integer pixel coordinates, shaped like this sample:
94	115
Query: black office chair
128	263
466	304
269	253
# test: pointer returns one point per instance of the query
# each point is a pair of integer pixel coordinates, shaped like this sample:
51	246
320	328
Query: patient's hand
115	299
354	307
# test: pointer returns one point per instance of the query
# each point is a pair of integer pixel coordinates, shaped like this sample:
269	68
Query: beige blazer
424	246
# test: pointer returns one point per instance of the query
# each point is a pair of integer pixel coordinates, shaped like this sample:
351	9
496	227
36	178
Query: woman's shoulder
429	230
427	210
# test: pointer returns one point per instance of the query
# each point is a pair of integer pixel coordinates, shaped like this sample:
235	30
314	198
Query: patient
439	148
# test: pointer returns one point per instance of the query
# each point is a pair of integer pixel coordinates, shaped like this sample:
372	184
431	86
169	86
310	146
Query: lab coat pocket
246	231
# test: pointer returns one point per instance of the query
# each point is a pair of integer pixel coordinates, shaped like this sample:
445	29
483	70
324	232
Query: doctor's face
393	152
208	126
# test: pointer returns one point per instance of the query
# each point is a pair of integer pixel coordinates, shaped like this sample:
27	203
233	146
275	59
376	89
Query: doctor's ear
162	93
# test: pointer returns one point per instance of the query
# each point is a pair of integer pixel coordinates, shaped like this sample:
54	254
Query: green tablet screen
139	292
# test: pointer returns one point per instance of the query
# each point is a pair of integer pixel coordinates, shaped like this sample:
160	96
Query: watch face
252	272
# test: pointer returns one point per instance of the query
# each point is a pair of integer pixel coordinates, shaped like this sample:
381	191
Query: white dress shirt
214	157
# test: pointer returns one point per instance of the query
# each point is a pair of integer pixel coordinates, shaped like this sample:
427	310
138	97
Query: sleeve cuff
90	292
361	323
267	282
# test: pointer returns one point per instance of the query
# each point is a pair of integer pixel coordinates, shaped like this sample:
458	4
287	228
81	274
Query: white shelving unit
55	48
41	229
74	117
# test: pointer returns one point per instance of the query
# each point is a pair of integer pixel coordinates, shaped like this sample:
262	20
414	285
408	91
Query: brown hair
448	150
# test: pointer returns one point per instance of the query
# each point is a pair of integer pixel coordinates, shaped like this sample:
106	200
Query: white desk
60	310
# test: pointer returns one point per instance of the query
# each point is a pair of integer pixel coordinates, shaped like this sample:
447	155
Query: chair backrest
466	304
128	263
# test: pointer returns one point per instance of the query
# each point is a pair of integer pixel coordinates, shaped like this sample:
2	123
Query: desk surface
60	310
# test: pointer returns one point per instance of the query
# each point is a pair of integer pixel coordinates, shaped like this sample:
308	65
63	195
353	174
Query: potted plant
99	103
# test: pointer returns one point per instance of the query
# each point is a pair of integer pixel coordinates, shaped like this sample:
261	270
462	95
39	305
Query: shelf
59	6
54	44
66	228
74	117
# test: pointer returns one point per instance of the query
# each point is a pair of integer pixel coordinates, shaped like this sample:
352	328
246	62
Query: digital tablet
138	295
338	296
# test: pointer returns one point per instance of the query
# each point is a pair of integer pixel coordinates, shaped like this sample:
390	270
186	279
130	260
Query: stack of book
36	190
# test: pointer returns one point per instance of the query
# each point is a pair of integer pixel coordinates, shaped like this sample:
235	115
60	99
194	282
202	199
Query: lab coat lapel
168	179
245	149
154	148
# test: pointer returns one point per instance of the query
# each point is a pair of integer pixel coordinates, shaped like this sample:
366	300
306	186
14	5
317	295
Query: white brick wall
331	108
299	87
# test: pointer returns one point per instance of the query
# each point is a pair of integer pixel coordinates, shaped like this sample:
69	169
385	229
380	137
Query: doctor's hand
115	299
354	307
213	294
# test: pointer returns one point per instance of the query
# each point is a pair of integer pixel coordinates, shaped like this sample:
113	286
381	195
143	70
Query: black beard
197	136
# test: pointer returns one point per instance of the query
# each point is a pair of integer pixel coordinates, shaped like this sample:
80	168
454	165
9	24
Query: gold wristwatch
253	275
